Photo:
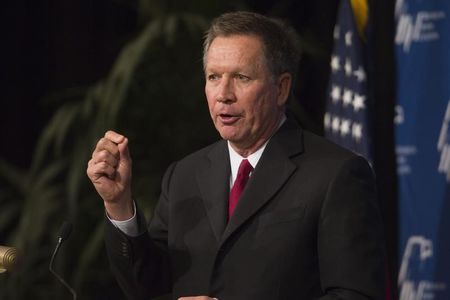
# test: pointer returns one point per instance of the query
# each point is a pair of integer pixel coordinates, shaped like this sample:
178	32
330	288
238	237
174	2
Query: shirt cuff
129	227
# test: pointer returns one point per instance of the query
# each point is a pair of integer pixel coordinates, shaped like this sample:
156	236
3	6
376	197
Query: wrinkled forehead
242	48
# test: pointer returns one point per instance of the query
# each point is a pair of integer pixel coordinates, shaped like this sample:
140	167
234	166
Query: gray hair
281	43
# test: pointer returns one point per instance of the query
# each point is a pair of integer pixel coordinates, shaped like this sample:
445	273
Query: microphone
63	234
8	258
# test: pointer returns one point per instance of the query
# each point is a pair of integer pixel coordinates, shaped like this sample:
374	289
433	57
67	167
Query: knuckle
114	136
100	144
89	171
102	155
89	165
110	133
95	158
102	165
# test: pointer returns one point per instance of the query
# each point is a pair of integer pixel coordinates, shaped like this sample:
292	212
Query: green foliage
153	95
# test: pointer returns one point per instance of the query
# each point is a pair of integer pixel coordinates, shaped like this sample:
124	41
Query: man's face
244	100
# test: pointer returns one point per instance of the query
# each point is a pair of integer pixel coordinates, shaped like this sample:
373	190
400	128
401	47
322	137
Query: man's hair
280	42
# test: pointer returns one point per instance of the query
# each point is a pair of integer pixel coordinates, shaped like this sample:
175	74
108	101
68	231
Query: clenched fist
110	171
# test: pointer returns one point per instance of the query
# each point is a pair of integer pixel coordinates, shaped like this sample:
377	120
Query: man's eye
242	77
213	77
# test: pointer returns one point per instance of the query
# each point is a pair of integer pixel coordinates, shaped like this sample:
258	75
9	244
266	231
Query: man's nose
225	91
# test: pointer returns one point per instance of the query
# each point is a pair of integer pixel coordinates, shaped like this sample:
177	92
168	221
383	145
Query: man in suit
269	212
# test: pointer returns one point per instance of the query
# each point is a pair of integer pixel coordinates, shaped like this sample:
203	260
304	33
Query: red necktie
241	180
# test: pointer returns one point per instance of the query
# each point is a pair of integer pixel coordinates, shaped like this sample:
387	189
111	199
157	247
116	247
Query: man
269	212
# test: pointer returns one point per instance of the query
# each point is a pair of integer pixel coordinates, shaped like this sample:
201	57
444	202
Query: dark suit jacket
307	226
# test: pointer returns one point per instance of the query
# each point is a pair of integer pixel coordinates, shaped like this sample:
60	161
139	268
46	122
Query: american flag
347	115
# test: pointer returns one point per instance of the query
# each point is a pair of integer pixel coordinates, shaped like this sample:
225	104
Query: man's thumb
124	152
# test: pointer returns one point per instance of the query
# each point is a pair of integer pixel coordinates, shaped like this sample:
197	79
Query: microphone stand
64	233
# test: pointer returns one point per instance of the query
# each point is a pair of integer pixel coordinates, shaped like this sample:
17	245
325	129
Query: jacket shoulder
203	155
319	146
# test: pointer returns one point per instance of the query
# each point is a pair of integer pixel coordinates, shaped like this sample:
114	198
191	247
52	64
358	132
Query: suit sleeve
350	235
141	264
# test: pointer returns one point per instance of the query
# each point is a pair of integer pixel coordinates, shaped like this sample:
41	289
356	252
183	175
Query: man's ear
284	87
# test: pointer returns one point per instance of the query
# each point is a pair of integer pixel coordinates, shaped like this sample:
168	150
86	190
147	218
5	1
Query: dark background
51	47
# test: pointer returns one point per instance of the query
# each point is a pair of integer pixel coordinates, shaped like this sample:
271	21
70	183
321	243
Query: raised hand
110	171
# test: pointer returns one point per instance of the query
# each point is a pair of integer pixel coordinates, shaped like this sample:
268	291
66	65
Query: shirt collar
235	160
253	159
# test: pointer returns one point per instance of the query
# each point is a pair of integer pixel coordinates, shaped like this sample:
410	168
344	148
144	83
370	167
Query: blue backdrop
422	44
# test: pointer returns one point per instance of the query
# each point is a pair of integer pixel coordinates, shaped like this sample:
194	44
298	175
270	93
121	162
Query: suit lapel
214	182
272	171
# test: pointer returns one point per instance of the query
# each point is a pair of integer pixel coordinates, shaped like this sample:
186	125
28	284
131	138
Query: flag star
335	65
345	127
348	67
335	125
360	74
347	97
357	131
359	102
348	38
336	32
326	120
335	93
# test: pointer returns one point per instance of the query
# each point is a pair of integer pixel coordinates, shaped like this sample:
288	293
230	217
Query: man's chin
228	134
237	143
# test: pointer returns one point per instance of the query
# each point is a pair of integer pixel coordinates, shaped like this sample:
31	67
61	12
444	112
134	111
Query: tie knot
244	168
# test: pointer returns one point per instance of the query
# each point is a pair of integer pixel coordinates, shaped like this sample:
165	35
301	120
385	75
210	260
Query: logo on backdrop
443	145
416	27
399	115
415	262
